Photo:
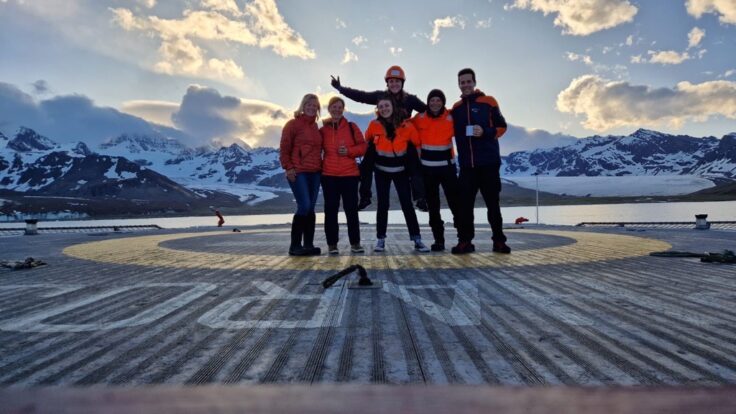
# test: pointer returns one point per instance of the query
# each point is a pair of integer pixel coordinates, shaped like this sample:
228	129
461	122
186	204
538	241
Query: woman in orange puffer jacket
392	137
342	142
301	158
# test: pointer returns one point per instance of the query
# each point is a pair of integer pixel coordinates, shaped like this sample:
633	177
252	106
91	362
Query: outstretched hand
335	82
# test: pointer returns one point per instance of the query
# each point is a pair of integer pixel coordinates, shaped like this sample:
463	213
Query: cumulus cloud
183	39
668	57
205	113
630	40
73	118
349	57
725	9
147	3
574	57
445	23
340	24
483	24
695	36
607	104
582	17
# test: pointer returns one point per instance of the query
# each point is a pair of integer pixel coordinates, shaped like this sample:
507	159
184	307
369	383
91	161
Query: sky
232	70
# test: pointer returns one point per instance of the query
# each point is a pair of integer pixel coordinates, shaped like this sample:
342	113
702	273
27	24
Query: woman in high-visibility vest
391	137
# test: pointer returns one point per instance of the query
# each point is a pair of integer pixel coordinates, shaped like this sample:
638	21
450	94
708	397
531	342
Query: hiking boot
421	205
419	246
463	248
501	247
438	247
380	245
356	248
332	249
312	251
298	251
363	203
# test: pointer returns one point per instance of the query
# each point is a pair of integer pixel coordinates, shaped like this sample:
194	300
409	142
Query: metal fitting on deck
701	222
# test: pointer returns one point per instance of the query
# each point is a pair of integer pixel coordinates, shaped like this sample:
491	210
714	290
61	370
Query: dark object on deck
29	263
236	230
364	280
31	227
727	256
520	220
701	222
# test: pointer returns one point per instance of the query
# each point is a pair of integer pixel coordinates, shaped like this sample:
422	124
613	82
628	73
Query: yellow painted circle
147	251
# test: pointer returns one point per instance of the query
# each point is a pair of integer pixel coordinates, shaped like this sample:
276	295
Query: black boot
297	229
309	223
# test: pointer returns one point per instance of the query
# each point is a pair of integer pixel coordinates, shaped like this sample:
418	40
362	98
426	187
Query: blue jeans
305	189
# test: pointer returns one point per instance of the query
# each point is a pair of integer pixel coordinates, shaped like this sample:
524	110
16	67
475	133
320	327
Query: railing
718	225
14	231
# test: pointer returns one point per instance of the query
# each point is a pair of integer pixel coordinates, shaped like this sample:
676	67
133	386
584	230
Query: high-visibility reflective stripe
391	154
389	169
436	147
437	163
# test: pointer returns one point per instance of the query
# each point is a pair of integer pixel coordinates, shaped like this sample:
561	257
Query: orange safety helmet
395	72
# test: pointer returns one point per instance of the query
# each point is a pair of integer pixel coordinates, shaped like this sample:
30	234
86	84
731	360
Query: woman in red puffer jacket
342	143
301	159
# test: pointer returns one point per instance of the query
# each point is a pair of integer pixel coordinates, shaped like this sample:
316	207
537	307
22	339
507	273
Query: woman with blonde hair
301	158
342	142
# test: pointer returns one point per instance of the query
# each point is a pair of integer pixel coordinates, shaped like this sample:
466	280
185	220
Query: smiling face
394	85
385	108
435	105
466	84
336	110
311	107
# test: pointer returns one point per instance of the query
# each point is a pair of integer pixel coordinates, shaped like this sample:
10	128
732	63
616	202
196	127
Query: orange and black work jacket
482	110
391	153
336	134
435	137
301	145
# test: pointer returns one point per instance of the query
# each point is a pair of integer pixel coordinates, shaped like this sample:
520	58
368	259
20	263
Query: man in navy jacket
478	125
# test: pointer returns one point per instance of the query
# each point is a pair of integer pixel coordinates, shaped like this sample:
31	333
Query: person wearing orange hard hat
404	105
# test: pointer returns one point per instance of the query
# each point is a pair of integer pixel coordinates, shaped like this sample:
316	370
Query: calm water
566	215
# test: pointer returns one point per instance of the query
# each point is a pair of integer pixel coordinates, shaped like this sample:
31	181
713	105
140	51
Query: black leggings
333	189
403	188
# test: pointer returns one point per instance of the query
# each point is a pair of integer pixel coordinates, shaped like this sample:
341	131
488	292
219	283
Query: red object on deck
222	219
521	220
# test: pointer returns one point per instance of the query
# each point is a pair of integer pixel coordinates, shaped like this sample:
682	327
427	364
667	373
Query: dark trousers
366	171
488	181
334	189
434	178
403	188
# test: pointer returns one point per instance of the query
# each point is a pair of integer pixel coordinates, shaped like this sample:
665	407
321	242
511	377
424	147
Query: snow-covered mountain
644	152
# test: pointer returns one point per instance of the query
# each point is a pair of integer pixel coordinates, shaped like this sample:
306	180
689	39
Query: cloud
205	113
183	39
607	104
359	40
630	40
73	118
725	9
349	57
483	24
147	3
526	139
275	33
445	23
728	73
40	87
340	24
158	112
668	57
395	51
695	36
574	57
582	17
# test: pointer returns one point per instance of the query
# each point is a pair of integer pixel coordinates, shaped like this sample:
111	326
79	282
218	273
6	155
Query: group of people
415	153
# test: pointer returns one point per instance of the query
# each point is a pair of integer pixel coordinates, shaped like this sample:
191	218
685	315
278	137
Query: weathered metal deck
569	306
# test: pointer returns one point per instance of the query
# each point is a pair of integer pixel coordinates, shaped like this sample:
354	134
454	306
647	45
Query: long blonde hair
308	97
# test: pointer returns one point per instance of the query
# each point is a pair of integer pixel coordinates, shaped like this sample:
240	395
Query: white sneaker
420	247
380	245
333	250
